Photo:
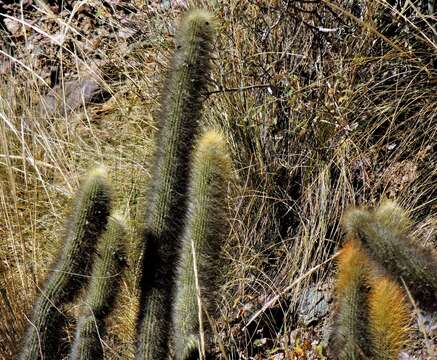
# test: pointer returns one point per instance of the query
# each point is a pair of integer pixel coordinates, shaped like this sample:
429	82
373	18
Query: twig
259	86
418	316
271	302
367	27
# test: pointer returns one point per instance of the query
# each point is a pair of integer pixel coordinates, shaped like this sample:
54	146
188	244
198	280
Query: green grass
317	121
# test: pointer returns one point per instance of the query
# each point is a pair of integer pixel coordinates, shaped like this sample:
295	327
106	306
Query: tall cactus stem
70	272
202	242
388	319
178	123
350	341
102	291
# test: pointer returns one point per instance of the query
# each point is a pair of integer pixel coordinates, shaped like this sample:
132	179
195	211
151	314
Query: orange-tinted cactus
388	319
383	233
351	327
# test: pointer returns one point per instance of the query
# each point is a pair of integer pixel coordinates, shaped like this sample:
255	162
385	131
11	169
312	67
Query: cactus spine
351	332
86	223
383	233
87	343
178	123
203	237
388	319
102	291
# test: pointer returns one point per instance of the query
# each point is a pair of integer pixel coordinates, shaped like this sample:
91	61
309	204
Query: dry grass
325	106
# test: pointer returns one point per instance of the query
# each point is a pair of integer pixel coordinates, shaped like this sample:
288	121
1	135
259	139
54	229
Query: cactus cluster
372	320
383	232
372	314
70	272
184	231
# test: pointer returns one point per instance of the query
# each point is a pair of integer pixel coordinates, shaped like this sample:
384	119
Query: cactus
86	223
168	228
383	233
191	349
178	123
203	237
388	319
87	343
101	292
350	340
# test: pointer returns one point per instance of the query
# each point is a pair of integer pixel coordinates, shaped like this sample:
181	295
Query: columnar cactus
87	221
383	233
203	237
372	316
168	229
178	124
87	341
388	319
101	293
351	328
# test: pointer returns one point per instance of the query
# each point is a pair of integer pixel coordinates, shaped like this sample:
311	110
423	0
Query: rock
405	356
73	95
167	4
12	26
313	306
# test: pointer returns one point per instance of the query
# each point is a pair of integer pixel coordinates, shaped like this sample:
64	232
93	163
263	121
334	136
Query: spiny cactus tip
391	214
98	171
199	15
212	145
198	22
354	218
211	138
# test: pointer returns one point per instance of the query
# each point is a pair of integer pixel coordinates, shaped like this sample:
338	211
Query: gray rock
72	95
313	306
